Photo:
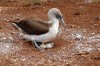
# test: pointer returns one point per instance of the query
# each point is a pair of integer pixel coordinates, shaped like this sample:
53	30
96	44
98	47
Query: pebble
78	37
77	13
98	17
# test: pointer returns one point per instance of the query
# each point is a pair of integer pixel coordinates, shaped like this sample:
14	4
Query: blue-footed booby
38	31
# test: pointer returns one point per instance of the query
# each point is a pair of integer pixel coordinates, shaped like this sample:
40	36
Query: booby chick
38	31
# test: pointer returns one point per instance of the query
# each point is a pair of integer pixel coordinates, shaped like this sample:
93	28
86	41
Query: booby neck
55	23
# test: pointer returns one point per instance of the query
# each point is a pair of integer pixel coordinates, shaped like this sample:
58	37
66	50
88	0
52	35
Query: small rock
97	18
78	36
9	1
77	13
97	58
72	26
0	27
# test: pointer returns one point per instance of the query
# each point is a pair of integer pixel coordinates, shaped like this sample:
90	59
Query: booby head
55	13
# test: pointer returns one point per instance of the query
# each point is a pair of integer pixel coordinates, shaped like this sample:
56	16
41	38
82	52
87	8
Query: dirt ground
77	45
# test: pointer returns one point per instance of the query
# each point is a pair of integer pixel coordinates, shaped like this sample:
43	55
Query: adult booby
38	31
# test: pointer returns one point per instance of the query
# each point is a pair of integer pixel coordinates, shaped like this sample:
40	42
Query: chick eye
58	16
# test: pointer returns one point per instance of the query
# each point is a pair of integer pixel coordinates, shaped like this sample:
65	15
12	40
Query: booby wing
33	27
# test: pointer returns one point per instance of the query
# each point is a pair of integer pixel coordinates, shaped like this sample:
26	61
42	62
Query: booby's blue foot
37	45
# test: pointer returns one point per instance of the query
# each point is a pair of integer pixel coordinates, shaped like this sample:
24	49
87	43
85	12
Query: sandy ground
78	45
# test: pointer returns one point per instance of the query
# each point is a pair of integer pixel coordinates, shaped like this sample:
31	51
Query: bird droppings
82	42
88	1
91	1
6	43
1	9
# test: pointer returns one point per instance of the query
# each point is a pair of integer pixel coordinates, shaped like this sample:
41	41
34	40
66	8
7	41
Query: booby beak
61	20
63	23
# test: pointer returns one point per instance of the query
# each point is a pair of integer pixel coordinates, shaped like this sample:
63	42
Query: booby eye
59	17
